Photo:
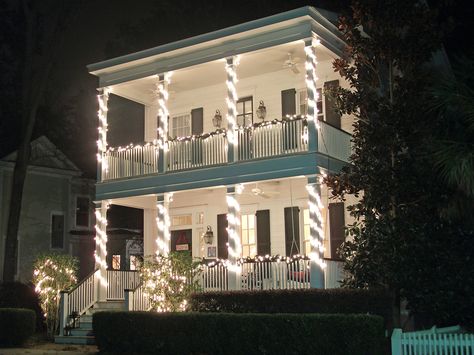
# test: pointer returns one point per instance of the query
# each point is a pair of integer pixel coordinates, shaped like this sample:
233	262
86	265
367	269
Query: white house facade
237	132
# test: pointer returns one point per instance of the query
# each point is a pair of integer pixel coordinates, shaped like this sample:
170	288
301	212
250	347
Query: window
135	262
116	262
183	220
302	103
82	212
249	242
245	111
57	231
181	126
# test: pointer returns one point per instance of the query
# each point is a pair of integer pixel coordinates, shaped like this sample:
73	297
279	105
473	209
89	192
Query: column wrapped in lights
234	246
163	113
163	223
101	246
103	98
312	93
316	232
231	100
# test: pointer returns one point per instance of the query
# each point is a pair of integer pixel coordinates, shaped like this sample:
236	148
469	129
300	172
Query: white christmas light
234	248
231	99
100	253
163	224
103	99
311	79
163	113
316	226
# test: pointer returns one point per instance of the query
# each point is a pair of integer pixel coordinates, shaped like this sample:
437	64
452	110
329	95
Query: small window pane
251	236
116	262
183	220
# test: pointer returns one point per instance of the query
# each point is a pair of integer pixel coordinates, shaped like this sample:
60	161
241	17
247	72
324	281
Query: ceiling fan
259	192
291	63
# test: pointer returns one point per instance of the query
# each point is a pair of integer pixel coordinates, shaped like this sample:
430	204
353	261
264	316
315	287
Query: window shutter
332	116
292	231
222	236
336	227
263	232
288	102
197	117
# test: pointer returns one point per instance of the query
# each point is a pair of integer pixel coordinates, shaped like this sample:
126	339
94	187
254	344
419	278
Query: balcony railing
272	138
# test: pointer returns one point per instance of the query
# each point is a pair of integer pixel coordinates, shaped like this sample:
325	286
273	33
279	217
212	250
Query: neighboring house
231	132
57	209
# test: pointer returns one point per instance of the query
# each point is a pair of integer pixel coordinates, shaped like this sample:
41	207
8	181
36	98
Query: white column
316	232
150	231
101	248
163	237
102	163
233	230
231	81
311	78
163	114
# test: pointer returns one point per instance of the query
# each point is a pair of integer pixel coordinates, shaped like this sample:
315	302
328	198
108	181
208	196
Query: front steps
83	335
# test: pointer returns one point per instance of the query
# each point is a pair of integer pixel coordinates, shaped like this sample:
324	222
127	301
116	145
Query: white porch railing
274	138
197	152
136	299
131	161
442	341
270	275
79	299
334	142
120	280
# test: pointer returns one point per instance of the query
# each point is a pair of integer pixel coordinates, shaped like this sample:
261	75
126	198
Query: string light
100	253
231	98
234	247
163	113
103	99
163	224
311	79
316	226
256	259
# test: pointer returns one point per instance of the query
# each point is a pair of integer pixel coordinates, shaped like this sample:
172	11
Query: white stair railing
79	299
214	278
120	280
136	299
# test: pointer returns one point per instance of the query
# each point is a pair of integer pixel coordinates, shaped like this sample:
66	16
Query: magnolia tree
169	280
52	274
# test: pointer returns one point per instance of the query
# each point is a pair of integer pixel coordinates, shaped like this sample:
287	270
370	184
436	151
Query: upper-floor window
249	235
82	212
57	231
181	125
245	111
302	103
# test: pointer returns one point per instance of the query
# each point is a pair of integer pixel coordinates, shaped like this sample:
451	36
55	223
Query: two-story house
236	132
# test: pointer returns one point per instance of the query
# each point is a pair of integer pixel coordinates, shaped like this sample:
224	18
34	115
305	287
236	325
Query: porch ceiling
213	73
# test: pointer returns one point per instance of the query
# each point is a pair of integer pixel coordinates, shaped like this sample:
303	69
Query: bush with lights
52	274
169	280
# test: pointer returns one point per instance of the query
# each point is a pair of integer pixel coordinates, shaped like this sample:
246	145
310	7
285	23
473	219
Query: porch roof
242	38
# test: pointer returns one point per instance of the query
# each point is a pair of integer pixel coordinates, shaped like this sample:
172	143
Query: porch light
217	120
208	236
261	111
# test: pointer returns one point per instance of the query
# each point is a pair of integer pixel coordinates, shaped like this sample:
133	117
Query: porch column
316	232
101	248
150	247
234	246
312	116
163	114
163	223
232	139
102	164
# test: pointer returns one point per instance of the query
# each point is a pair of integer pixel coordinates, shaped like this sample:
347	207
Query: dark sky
96	27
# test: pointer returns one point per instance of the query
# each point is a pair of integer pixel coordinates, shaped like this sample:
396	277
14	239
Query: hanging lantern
208	236
217	120
261	111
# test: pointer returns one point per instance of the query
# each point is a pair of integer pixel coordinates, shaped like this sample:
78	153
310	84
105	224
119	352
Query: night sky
103	29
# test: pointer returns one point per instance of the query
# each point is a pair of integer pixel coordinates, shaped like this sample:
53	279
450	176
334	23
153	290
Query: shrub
224	333
20	295
339	300
16	326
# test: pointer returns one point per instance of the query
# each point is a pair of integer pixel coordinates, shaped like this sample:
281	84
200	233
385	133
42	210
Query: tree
396	238
38	29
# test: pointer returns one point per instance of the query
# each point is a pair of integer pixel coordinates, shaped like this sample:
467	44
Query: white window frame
56	213
249	245
174	128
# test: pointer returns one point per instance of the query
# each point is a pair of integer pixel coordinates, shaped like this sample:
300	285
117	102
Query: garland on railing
132	146
220	131
287	118
255	259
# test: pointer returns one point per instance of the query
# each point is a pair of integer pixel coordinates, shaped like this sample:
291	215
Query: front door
182	240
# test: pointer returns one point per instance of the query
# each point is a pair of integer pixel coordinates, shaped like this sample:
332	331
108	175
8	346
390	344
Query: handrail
79	284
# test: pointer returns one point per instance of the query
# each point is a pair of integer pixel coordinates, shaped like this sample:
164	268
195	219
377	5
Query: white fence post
397	342
63	311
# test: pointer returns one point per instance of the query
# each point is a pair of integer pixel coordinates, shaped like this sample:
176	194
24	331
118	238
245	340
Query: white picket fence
439	341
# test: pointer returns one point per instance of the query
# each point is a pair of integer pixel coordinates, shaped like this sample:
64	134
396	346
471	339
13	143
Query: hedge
16	326
338	300
225	333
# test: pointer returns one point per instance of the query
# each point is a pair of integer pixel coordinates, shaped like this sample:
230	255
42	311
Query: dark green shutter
292	231
197	124
222	236
263	232
336	227
332	117
288	102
